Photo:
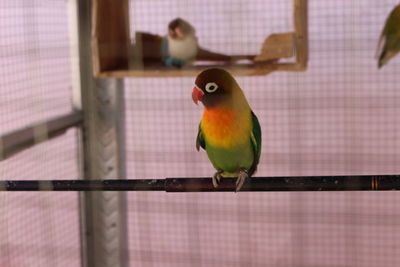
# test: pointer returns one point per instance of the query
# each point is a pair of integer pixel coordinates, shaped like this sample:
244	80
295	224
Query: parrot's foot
243	175
216	179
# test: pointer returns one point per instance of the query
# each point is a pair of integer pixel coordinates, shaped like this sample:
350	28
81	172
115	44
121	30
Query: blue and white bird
179	46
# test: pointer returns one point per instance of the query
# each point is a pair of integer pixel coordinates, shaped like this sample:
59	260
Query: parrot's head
179	29
213	87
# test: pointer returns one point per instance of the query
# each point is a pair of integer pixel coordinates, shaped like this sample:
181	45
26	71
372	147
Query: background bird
179	46
389	42
229	131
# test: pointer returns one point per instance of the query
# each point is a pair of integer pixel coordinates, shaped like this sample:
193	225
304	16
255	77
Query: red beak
197	95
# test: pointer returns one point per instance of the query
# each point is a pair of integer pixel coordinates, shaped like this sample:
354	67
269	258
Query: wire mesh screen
340	117
35	71
37	229
41	228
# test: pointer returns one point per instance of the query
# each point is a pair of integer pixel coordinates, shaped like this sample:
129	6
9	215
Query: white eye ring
211	87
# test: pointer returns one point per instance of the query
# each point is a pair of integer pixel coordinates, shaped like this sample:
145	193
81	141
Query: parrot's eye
211	87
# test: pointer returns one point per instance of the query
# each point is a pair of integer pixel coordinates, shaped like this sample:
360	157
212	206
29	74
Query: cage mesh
340	117
37	229
35	66
41	228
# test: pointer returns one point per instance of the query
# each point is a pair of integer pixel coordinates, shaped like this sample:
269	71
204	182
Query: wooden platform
115	55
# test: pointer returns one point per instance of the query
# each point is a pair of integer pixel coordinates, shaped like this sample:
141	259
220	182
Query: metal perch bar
306	183
21	139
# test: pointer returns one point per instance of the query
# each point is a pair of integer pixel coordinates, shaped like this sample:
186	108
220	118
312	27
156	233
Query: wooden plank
207	55
276	46
234	69
21	139
300	20
110	35
187	72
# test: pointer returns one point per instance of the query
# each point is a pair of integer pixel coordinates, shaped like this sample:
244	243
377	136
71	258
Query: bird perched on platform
229	131
179	46
389	42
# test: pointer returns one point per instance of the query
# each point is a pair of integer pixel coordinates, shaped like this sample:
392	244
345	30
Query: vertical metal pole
103	214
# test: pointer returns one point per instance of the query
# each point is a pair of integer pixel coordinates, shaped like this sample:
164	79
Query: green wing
256	142
200	142
392	22
389	43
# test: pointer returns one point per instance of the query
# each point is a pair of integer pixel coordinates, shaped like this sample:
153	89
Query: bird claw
216	179
242	177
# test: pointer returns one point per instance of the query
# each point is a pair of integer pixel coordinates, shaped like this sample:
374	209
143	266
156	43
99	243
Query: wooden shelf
235	69
114	55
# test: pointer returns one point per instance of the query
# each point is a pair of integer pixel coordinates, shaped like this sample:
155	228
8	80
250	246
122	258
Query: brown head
180	28
214	87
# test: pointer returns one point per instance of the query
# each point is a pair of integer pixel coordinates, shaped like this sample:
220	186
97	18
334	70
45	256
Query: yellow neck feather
225	127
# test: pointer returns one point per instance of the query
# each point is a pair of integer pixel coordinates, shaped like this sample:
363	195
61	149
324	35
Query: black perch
305	183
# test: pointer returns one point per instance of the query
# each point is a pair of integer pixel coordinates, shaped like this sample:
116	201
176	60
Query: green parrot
229	131
389	42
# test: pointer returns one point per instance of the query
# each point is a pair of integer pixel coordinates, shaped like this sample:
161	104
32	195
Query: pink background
340	117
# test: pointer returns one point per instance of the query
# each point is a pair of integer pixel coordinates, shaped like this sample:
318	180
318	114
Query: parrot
180	46
229	131
389	42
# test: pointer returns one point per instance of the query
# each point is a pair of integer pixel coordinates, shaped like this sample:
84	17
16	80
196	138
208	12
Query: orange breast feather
225	128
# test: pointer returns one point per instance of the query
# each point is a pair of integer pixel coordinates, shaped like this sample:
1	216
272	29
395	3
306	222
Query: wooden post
110	35
300	20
